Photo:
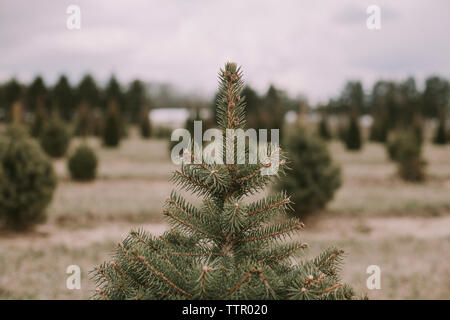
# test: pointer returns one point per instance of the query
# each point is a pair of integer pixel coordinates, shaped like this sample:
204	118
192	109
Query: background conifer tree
112	130
353	139
226	248
253	107
272	113
12	92
436	95
440	136
411	165
36	93
17	113
83	125
39	121
379	129
55	138
404	148
135	101
88	92
27	180
113	92
64	98
82	163
145	125
313	178
324	130
417	128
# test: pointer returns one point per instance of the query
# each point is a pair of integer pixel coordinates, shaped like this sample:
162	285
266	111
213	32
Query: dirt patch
52	235
379	228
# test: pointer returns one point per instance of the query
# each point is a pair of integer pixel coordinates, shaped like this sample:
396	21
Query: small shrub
314	178
27	181
55	138
83	164
404	148
398	137
411	165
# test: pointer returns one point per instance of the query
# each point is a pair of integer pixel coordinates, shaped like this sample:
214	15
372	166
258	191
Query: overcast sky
310	47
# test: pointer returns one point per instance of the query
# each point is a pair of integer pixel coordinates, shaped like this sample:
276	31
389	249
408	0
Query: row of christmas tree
389	102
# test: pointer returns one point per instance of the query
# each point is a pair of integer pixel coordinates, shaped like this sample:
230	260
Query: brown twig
329	289
102	293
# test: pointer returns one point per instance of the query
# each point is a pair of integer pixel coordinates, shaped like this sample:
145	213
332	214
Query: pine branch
108	278
329	262
119	270
267	284
189	254
162	276
281	253
251	180
207	174
100	292
188	211
337	285
157	250
274	231
234	219
189	183
267	205
187	226
246	278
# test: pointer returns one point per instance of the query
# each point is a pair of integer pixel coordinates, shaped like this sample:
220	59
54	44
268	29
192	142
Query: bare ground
400	246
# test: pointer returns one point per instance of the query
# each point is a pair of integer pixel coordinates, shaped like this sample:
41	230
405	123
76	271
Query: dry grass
376	218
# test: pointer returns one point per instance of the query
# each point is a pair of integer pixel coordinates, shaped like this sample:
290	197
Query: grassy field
376	218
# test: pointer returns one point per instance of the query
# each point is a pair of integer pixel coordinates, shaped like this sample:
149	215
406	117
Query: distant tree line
393	103
390	103
67	100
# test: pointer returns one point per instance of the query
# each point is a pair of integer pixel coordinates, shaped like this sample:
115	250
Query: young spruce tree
226	248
